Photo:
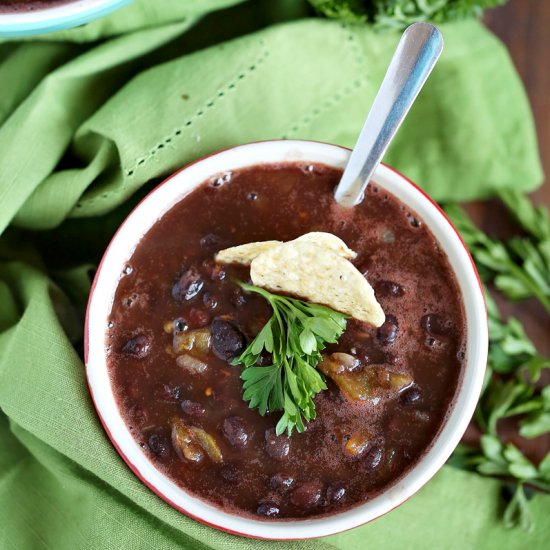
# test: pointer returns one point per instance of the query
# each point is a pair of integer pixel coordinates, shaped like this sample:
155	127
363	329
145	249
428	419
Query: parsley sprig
511	351
293	339
518	268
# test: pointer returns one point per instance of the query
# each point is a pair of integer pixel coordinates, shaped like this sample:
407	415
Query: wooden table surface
524	27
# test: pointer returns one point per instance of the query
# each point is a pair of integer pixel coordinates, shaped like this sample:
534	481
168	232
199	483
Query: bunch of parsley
398	14
518	268
291	342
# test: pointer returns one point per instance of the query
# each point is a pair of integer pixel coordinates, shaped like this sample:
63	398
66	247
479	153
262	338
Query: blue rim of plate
56	18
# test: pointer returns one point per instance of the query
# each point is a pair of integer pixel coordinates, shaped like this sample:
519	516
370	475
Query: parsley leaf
293	338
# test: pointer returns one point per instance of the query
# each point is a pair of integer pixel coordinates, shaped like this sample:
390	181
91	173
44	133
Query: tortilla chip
244	253
328	241
317	275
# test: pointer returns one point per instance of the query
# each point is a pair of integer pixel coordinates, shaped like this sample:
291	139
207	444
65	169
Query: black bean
231	473
307	495
238	299
388	288
169	393
212	270
335	492
435	325
210	301
227	340
410	396
192	408
277	447
268	509
217	273
180	325
210	241
282	481
138	346
235	432
188	285
392	319
373	457
387	333
159	445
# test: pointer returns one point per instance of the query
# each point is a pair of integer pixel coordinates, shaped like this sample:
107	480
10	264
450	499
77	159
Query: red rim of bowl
86	344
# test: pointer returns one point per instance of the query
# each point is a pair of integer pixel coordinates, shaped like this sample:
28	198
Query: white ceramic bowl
161	200
55	17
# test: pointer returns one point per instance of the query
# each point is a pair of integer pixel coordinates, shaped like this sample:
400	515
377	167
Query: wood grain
524	26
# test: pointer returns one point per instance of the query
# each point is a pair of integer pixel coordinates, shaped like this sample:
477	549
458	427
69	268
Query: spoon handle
413	61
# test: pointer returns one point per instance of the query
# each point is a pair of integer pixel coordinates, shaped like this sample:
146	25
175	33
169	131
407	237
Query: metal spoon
413	61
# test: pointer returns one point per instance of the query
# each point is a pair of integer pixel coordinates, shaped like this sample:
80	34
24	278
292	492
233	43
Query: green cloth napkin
91	118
